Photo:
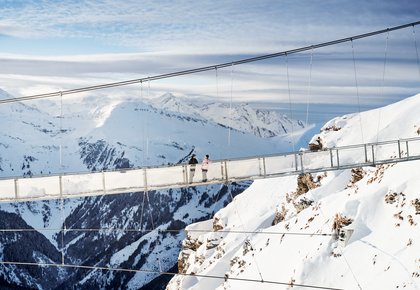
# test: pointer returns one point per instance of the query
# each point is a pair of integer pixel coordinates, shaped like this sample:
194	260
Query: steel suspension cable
206	68
111	229
165	273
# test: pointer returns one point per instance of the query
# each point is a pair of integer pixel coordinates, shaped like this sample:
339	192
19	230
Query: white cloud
177	35
203	26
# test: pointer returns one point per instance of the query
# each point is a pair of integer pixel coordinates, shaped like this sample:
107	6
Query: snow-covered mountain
241	117
378	207
92	134
97	134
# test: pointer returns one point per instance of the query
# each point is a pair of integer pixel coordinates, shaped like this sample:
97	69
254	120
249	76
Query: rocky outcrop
305	182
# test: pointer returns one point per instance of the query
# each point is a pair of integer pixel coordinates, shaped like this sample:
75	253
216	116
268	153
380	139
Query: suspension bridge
80	184
66	185
70	185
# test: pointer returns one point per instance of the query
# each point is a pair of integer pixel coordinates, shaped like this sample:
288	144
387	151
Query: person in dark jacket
192	162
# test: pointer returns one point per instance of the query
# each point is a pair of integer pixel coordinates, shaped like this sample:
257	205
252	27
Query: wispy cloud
201	26
156	37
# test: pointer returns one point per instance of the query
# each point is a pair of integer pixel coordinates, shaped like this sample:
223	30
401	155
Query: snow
382	253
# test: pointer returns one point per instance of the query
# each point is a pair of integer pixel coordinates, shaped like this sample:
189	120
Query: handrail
289	153
68	185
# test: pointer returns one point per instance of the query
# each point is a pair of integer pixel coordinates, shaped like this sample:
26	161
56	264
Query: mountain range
139	230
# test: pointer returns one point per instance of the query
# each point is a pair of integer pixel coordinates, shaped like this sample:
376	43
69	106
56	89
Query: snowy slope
242	117
381	203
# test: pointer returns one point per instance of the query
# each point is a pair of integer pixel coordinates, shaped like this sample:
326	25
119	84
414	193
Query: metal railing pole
366	156
16	189
145	179
338	158
103	182
60	185
331	158
226	172
301	162
264	168
399	149
373	155
185	174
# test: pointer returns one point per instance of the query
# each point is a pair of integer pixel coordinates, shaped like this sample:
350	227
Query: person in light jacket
205	167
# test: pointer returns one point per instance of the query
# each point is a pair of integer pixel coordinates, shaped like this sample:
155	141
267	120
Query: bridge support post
264	169
16	189
301	162
338	158
103	182
145	179
373	155
225	171
331	158
399	149
185	175
60	185
408	152
366	155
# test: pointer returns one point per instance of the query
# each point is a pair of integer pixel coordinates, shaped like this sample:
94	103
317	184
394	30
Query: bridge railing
220	171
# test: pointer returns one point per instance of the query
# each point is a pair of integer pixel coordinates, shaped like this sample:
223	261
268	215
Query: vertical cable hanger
61	131
382	87
143	125
309	89
216	71
63	228
230	105
357	92
290	104
147	124
415	45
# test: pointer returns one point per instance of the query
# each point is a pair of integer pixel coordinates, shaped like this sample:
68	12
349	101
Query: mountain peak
238	116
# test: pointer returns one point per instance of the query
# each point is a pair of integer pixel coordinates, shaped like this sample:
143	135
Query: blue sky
54	45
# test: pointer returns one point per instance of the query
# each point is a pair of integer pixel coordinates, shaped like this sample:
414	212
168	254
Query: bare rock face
189	246
332	128
302	203
317	145
280	215
416	204
340	221
357	174
305	183
217	224
391	197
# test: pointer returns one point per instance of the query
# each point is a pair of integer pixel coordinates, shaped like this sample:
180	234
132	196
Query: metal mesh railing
220	171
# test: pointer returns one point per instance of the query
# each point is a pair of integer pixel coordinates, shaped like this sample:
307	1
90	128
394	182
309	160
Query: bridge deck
70	185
